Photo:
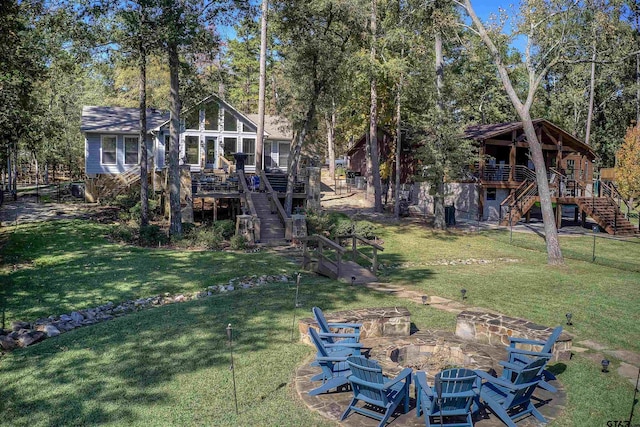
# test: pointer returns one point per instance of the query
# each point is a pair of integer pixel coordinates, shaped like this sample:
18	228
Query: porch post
512	157
559	154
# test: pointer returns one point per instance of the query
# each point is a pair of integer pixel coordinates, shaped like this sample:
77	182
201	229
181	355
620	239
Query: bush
206	238
226	228
319	223
122	233
366	229
238	242
152	235
135	212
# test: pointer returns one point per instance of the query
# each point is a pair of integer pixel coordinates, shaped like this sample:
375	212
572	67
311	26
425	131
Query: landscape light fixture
353	280
569	316
605	365
595	231
425	299
463	292
233	371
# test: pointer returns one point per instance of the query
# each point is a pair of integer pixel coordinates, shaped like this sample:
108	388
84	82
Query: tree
262	85
373	149
628	166
547	47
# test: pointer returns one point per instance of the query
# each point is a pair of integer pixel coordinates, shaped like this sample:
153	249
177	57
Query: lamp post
233	372
296	305
595	231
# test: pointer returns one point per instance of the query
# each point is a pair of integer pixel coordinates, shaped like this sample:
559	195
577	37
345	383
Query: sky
484	9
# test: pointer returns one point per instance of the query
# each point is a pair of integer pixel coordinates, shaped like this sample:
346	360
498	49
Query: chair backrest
456	381
366	379
529	374
317	341
322	322
552	340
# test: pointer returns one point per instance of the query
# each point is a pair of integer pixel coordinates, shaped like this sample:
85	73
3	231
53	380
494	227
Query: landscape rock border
23	334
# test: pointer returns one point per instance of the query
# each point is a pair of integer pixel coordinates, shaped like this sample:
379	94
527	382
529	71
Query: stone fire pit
427	350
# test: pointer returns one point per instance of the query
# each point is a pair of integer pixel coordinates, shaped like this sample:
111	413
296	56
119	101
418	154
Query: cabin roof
118	119
497	130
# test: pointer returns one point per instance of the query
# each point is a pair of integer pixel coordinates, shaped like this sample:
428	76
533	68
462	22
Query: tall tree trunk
175	228
331	132
396	206
637	17
262	86
592	90
554	253
373	118
438	198
144	178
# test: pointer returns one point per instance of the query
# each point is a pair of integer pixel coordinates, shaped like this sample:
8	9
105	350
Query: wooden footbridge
333	260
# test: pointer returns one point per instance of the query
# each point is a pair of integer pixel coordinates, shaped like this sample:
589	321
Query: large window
192	120
131	150
230	147
211	113
268	160
192	149
249	148
283	157
108	149
230	122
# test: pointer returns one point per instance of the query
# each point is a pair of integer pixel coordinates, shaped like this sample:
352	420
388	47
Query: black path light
296	305
233	371
595	231
425	300
605	365
569	316
463	292
635	395
353	280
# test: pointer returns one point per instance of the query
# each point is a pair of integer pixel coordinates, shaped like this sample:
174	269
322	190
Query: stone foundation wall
376	322
495	329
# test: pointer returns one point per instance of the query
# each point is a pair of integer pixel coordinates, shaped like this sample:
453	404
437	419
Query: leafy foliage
628	167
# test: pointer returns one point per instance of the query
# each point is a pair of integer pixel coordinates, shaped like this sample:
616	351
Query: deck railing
355	253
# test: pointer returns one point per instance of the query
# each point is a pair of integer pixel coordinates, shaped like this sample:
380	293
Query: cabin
217	160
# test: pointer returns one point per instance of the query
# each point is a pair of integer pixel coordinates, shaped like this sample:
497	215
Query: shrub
238	242
226	228
319	223
206	238
152	235
122	233
135	212
366	229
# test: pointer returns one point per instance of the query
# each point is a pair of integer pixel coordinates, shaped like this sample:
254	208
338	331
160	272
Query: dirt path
26	209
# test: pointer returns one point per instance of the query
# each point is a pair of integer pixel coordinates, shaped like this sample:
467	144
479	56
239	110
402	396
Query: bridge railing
355	253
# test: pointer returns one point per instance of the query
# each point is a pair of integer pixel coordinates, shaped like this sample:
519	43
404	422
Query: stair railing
355	253
523	173
511	198
286	220
242	183
611	191
325	262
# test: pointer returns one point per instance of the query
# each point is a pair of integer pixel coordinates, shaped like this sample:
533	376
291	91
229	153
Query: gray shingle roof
275	126
118	119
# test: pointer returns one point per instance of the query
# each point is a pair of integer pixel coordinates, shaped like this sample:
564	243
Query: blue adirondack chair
519	357
511	399
331	337
373	388
335	369
456	389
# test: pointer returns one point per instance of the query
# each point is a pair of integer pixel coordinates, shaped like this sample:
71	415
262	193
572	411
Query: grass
170	365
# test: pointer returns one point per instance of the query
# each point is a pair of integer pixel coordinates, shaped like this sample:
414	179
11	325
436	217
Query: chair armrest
345	325
504	383
331	359
469	393
529	352
337	335
511	366
405	373
344	345
422	385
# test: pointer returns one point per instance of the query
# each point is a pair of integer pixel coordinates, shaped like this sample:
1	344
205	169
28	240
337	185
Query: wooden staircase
278	181
109	186
519	202
271	229
607	214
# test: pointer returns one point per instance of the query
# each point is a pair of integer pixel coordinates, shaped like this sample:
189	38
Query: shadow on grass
117	370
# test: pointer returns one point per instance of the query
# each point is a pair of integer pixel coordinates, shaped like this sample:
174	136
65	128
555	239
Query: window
131	150
491	193
211	113
229	148
192	149
249	148
230	122
283	157
192	120
268	160
210	153
108	148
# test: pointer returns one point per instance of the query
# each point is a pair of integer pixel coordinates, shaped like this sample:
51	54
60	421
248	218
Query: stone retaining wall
376	322
495	329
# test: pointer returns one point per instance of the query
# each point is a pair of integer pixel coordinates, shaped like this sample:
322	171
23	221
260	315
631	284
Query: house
211	133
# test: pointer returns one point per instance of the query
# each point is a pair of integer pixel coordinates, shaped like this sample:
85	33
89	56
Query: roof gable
118	119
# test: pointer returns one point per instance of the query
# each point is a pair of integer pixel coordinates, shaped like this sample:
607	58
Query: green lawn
170	365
